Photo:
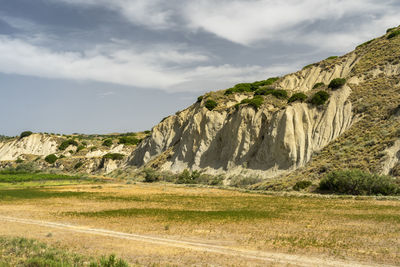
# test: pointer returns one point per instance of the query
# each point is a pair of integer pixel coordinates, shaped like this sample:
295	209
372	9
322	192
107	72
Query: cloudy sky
102	66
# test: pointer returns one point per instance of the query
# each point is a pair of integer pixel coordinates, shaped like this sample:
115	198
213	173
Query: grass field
362	229
28	252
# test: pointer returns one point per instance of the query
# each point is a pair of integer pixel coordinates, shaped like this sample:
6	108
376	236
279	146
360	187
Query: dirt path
268	257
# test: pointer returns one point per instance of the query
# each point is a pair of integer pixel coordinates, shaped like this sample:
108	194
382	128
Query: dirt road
267	257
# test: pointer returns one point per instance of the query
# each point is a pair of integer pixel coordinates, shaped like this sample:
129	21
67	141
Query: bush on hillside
210	104
357	182
297	97
300	185
78	165
188	178
114	156
150	175
51	158
67	143
80	147
308	66
317	85
107	143
393	34
278	93
337	83
250	87
319	98
128	140
199	99
25	134
255	102
332	57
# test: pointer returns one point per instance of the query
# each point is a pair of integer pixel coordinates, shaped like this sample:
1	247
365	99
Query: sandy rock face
246	141
305	79
35	144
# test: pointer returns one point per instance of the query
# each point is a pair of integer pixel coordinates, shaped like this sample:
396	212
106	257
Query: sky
104	66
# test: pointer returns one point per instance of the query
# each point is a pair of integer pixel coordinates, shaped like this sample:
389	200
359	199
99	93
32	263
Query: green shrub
51	158
357	182
319	98
111	261
114	156
393	34
258	84
128	140
278	93
264	91
243	87
301	185
78	165
150	175
229	91
188	178
390	29
255	102
308	66
297	97
250	87
80	147
107	143
93	148
281	94
25	134
332	57
244	181
147	132
199	99
337	83
210	104
67	143
317	85
19	160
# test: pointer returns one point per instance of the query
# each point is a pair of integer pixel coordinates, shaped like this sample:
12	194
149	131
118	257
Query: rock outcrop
35	144
265	142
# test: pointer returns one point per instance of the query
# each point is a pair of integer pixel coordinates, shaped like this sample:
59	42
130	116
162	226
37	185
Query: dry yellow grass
353	229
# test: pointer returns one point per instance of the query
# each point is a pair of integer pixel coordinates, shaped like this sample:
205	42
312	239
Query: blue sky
98	66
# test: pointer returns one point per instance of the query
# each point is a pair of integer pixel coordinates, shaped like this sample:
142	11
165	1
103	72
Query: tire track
268	257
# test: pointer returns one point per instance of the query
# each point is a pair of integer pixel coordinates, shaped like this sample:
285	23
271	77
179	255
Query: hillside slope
266	136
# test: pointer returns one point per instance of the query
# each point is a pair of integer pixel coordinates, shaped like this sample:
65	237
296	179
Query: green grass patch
28	177
32	193
184	215
32	253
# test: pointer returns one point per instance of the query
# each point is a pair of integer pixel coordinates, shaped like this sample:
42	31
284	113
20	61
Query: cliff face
38	146
35	144
279	137
264	142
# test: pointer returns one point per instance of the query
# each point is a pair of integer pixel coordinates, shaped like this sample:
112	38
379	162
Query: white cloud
157	67
247	22
151	13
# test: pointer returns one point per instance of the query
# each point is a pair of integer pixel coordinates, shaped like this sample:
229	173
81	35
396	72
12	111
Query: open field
348	229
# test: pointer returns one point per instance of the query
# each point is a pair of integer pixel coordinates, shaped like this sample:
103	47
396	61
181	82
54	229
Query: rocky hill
94	154
341	112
